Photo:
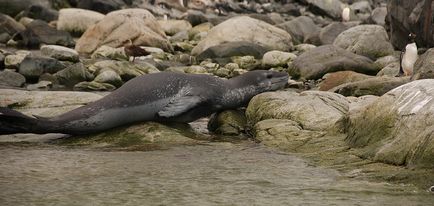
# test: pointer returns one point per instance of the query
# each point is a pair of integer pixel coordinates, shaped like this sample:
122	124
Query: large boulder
60	53
312	110
397	128
76	21
424	66
117	27
243	28
408	16
300	28
367	40
318	61
34	66
11	78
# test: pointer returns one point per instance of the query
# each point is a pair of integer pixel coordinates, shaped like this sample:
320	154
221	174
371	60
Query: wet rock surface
366	122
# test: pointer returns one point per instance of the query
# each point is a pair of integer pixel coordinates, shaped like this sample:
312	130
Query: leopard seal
161	97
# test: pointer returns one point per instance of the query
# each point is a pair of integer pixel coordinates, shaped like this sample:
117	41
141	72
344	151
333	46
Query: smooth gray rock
328	34
11	78
300	28
9	26
77	21
330	8
34	66
109	76
378	16
230	49
318	61
41	12
60	53
367	40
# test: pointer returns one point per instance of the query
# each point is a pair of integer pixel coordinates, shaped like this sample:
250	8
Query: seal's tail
12	122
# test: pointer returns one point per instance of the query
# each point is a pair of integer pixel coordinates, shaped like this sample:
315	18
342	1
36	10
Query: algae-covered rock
284	134
149	135
312	110
277	58
110	53
229	122
247	62
397	128
74	74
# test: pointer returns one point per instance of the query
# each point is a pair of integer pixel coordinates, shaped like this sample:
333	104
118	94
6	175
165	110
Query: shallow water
213	174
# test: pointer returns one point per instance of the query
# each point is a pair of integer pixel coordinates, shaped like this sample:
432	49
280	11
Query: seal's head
244	87
262	80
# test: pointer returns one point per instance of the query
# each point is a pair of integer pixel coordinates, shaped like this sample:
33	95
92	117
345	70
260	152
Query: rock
9	26
386	60
13	61
391	70
283	134
195	17
244	28
247	62
400	127
424	66
335	79
14	7
277	58
311	110
328	34
301	48
149	135
372	86
109	53
77	21
329	8
41	85
230	122
180	37
224	51
205	27
318	61
4	38
43	103
2	61
410	16
39	32
223	72
60	53
73	74
93	86
117	27
37	11
378	16
171	27
276	18
127	70
300	28
34	66
102	6
109	76
367	40
10	78
362	9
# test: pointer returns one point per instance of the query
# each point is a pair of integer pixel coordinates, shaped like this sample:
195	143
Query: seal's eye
269	76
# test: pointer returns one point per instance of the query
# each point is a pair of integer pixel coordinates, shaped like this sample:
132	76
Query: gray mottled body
165	97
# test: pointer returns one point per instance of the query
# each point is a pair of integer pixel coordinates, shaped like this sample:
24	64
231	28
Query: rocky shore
343	108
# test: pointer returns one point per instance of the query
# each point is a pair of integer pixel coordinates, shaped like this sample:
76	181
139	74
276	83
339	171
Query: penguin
408	57
346	14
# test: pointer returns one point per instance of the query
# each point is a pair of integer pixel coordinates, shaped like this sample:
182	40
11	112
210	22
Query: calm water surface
212	174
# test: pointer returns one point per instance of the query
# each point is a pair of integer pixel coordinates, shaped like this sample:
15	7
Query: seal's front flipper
180	105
